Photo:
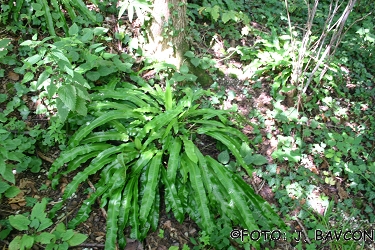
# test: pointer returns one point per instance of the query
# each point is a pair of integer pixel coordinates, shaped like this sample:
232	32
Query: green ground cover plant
142	142
142	138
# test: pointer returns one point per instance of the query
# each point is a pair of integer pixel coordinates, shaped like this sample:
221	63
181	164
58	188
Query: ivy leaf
223	157
195	61
184	69
68	96
256	159
189	54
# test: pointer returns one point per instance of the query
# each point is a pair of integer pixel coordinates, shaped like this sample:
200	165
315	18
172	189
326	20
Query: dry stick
335	40
97	199
303	230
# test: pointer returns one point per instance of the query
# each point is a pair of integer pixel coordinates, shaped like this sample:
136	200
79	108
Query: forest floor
170	232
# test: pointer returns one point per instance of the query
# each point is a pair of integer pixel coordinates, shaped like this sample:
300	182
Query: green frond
151	187
112	223
200	196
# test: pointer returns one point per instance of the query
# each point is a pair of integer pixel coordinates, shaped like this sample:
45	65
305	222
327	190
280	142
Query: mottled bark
167	33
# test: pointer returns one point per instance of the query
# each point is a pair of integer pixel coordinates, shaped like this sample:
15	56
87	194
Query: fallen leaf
13	76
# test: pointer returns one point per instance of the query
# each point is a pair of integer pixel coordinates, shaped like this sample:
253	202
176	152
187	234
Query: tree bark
167	34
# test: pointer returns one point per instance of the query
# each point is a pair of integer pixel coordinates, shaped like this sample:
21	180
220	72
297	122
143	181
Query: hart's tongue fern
154	152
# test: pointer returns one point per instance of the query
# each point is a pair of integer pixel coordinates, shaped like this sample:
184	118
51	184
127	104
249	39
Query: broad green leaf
38	210
67	235
19	222
93	75
189	149
60	55
33	59
27	242
3	186
214	11
27	77
195	61
51	90
15	244
81	106
77	239
5	42
45	238
73	30
189	54
68	96
184	69
62	110
112	223
12	192
150	189
44	224
228	15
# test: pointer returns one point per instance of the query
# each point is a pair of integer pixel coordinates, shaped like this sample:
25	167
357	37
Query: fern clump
141	143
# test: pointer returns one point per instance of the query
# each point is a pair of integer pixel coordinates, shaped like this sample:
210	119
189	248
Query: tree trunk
167	34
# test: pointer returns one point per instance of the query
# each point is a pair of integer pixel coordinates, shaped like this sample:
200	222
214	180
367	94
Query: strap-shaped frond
112	223
151	187
226	130
174	159
172	197
72	154
161	120
226	140
105	118
126	202
200	196
102	159
73	165
134	213
236	197
190	149
105	136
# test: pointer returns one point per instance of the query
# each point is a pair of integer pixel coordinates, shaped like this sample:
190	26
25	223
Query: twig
94	189
303	230
89	245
